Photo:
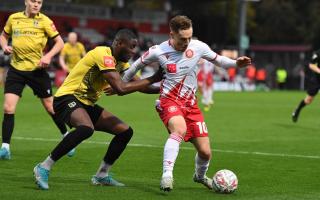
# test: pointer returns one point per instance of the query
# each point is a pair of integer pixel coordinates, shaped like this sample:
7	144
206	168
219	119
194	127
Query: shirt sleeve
103	60
8	27
216	59
147	58
50	28
82	49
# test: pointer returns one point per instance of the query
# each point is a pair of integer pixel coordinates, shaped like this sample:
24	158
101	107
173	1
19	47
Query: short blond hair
180	22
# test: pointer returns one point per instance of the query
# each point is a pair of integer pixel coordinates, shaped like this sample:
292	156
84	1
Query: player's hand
44	61
109	91
8	50
243	61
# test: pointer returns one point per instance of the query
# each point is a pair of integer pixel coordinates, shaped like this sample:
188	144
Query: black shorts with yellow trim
64	106
38	80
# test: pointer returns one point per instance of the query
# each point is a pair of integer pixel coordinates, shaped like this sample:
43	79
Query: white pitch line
187	148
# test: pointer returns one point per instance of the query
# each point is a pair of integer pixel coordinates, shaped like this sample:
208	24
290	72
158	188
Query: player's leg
12	93
197	134
73	113
306	101
9	108
108	122
202	160
48	105
172	116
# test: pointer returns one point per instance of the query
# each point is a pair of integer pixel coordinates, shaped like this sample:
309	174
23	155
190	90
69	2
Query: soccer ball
225	181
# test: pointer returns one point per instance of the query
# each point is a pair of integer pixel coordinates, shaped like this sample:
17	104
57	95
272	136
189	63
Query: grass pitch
251	134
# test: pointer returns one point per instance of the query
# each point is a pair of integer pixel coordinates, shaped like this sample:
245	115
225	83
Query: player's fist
7	50
44	61
243	61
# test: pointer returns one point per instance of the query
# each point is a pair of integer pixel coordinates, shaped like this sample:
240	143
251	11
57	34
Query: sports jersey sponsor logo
172	68
24	33
189	53
172	109
108	61
53	27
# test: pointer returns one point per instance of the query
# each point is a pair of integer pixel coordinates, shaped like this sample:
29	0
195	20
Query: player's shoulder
198	43
17	15
102	50
43	16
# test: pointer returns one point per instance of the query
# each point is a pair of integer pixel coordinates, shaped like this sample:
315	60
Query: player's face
33	6
72	38
181	39
127	49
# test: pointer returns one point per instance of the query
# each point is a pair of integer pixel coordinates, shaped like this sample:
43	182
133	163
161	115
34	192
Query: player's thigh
108	122
39	81
177	124
71	111
15	82
202	145
80	117
10	103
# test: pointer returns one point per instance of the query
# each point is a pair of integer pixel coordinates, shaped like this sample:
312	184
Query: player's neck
30	15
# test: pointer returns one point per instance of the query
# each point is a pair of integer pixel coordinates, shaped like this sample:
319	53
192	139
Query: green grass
251	134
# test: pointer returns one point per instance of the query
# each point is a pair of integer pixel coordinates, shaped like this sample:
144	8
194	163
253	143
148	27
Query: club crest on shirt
189	53
108	61
35	23
172	109
172	68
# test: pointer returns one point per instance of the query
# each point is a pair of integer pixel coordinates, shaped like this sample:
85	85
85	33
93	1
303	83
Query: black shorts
38	80
312	83
63	107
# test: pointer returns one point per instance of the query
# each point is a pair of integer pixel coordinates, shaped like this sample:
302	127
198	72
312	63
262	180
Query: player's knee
49	108
308	100
205	154
9	108
126	135
84	131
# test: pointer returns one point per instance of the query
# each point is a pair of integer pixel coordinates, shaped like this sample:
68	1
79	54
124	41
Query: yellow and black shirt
29	37
86	81
72	54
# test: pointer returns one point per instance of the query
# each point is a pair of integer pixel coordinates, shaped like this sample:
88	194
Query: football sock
201	166
71	141
59	123
47	163
300	106
5	145
103	170
7	127
170	153
117	146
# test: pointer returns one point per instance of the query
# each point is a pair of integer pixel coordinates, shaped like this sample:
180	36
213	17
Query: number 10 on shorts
202	127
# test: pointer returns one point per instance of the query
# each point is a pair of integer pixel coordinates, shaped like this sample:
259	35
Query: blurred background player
177	108
29	31
71	53
312	84
75	101
205	83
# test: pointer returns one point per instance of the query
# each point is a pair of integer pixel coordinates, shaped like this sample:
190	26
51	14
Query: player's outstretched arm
122	88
